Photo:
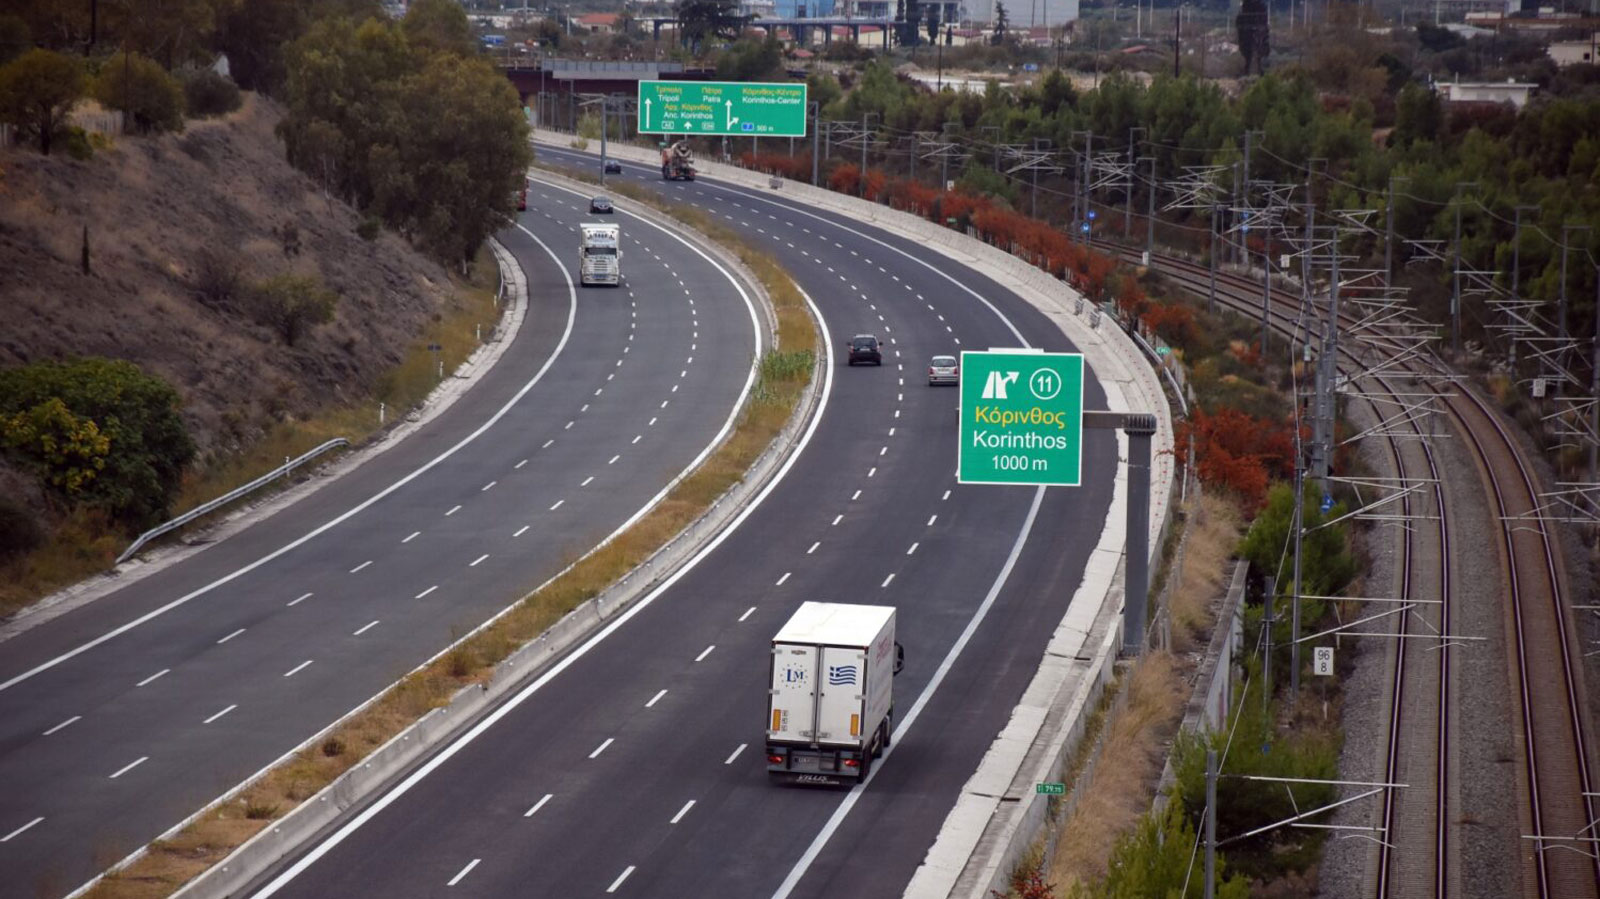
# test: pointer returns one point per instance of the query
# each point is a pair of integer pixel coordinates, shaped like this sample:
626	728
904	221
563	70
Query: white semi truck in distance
600	255
830	710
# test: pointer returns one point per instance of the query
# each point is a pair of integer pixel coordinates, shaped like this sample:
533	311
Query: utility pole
995	155
1177	41
866	138
1455	291
1388	235
1033	202
605	118
1150	216
1133	173
1594	382
1561	308
1234	203
1211	293
1086	175
1516	252
1211	824
911	164
1266	291
1294	620
816	129
1268	602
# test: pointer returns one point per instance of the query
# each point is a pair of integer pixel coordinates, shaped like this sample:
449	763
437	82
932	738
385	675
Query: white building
1575	53
1514	92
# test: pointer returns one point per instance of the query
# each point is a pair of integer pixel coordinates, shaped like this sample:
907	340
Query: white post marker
1322	661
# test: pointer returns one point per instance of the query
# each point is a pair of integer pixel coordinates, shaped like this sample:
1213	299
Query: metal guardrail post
199	511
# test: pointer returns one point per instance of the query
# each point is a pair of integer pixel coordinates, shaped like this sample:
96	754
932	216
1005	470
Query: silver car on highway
944	370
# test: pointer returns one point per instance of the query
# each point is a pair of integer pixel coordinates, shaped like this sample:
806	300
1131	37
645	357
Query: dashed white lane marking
855	496
19	831
637	437
782	579
569	425
620	878
837	519
941	499
872	471
230	636
587	481
520	464
305	596
664	403
883	450
537	805
614	459
522	530
656	698
913	548
585	406
705	652
365	627
813	547
602	747
453	510
886	581
891	432
932	519
361	566
735	755
159	673
652	423
463	873
61	726
547	443
427	591
487	486
130	766
557	505
220	714
681	812
296	669
747	613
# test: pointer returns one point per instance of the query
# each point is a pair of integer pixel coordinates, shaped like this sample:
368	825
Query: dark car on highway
865	348
601	205
613	167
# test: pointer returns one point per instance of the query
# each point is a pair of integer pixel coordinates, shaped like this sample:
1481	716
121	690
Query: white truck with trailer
830	710
600	255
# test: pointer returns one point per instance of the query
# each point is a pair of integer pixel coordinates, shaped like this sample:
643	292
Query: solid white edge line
839	814
572	312
510	705
464	871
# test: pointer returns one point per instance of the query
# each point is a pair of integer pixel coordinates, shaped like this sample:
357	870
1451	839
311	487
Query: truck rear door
792	710
843	682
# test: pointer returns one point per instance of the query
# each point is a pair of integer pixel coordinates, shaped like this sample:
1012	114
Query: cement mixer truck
677	162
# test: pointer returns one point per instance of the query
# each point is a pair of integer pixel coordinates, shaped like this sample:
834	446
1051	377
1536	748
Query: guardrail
226	498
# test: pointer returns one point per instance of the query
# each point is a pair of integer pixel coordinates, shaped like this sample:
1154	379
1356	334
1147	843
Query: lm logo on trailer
841	675
994	386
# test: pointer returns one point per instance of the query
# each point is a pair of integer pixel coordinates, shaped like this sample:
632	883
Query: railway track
1558	857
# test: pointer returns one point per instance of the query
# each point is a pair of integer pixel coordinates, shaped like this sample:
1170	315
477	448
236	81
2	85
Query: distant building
1575	53
1021	14
1514	92
805	9
597	22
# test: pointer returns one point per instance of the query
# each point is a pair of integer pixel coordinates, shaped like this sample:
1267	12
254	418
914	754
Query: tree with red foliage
1172	322
845	179
1237	452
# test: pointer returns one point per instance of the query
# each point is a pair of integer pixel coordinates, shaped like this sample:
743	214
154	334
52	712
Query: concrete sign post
1021	418
722	108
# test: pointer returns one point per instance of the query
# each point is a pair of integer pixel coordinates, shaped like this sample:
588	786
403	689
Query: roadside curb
247	513
379	769
998	815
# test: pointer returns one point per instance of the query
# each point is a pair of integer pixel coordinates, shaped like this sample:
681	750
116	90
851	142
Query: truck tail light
852	763
774	759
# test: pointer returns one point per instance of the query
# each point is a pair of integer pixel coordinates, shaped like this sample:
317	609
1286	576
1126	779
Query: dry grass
1131	760
1139	736
1213	533
171	863
86	544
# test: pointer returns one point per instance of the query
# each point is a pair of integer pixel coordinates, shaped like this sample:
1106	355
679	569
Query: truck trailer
830	710
600	255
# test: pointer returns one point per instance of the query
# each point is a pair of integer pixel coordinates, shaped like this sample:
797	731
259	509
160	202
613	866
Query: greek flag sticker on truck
840	675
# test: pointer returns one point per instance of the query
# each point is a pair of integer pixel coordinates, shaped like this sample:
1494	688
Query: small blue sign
747	126
1327	503
1030	67
1084	227
1091	215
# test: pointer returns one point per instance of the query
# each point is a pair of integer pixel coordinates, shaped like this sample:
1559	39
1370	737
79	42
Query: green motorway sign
1051	789
721	107
1021	418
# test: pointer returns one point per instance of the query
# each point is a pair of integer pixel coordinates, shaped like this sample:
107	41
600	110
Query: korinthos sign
1021	418
722	107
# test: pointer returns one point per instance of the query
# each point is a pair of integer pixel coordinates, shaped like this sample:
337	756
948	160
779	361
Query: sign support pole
1140	427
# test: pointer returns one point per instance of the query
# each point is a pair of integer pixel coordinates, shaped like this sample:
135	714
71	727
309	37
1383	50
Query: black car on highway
600	205
613	167
864	348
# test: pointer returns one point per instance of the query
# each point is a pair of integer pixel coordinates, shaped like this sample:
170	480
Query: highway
124	716
636	767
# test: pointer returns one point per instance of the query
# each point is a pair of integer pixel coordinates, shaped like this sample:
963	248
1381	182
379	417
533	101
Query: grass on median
784	374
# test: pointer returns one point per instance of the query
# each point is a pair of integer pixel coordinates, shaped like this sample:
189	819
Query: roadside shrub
292	305
261	811
151	99
99	432
370	228
333	747
76	142
218	278
208	93
19	530
1157	859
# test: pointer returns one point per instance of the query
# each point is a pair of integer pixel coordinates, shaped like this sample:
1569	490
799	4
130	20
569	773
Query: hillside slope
154	207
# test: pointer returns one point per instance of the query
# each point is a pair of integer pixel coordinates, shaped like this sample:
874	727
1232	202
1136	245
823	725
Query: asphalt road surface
123	717
636	768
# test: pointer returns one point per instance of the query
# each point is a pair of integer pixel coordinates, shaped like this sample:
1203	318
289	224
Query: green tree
69	451
151	99
932	21
293	304
38	91
1254	37
435	26
752	60
207	93
1326	565
1418	116
699	20
1002	23
1155	861
146	444
171	31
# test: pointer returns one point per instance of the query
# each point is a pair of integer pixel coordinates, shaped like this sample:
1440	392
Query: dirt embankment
153	208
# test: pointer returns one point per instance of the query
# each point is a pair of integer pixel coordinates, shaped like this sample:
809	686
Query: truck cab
600	255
